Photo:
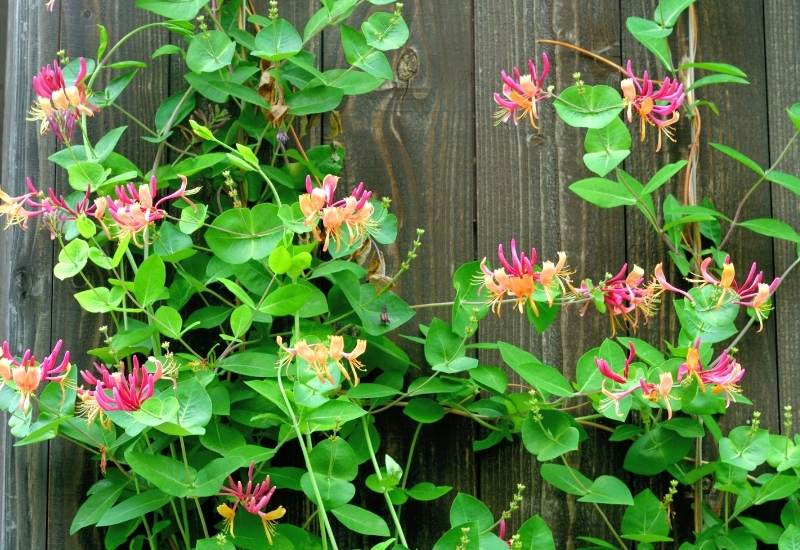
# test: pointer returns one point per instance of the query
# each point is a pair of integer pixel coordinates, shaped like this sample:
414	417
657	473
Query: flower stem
196	500
398	527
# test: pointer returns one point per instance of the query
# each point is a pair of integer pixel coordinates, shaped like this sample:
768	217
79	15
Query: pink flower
725	373
626	297
134	210
753	292
27	374
660	391
353	212
117	392
58	105
254	499
657	108
20	210
521	93
605	368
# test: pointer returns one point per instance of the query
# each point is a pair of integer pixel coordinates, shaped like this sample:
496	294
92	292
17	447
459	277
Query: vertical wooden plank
782	19
522	177
412	141
734	32
78	36
26	260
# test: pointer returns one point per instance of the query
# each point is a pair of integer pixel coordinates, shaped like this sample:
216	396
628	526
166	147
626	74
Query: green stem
407	469
181	528
398	527
146	524
196	500
306	459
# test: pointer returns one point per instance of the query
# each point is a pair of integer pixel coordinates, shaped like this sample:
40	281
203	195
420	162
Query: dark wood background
427	141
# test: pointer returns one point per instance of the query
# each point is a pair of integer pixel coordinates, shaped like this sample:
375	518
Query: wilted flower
254	499
657	108
134	210
353	212
58	105
113	391
27	374
521	93
319	356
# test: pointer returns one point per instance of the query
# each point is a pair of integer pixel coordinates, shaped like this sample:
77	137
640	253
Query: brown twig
584	51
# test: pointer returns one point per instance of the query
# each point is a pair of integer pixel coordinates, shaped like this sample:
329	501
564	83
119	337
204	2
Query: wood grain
26	260
782	21
413	142
522	177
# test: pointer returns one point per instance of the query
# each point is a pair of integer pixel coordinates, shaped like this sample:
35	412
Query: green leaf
716	79
534	534
463	537
169	322
424	410
209	51
794	115
668	11
286	300
442	345
788	181
241	234
192	218
85	174
98	503
334	492
426	491
723	68
319	99
241	320
333	413
603	192
166	49
367	58
106	144
173	9
385	30
334	458
164	472
608	490
150	280
663	175
779	486
588	106
606	147
167	110
772	228
277	40
542	377
655	451
646	521
569	480
790	539
71	259
551	437
653	37
466	508
134	507
742	159
98	299
250	363
361	521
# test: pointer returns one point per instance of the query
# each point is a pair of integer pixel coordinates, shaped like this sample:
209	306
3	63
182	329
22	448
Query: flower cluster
753	292
657	108
725	373
58	106
521	93
652	392
134	209
53	208
353	212
113	391
254	499
519	279
319	356
27	374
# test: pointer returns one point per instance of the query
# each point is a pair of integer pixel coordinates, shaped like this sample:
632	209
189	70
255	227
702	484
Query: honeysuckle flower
516	279
657	108
318	356
521	93
21	209
725	373
606	370
554	273
660	391
27	374
58	105
750	293
353	212
666	285
113	391
134	209
254	498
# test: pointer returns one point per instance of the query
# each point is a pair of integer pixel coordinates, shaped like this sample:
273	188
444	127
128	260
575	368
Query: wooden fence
427	141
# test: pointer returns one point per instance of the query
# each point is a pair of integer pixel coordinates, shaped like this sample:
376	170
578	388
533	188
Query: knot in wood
408	65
